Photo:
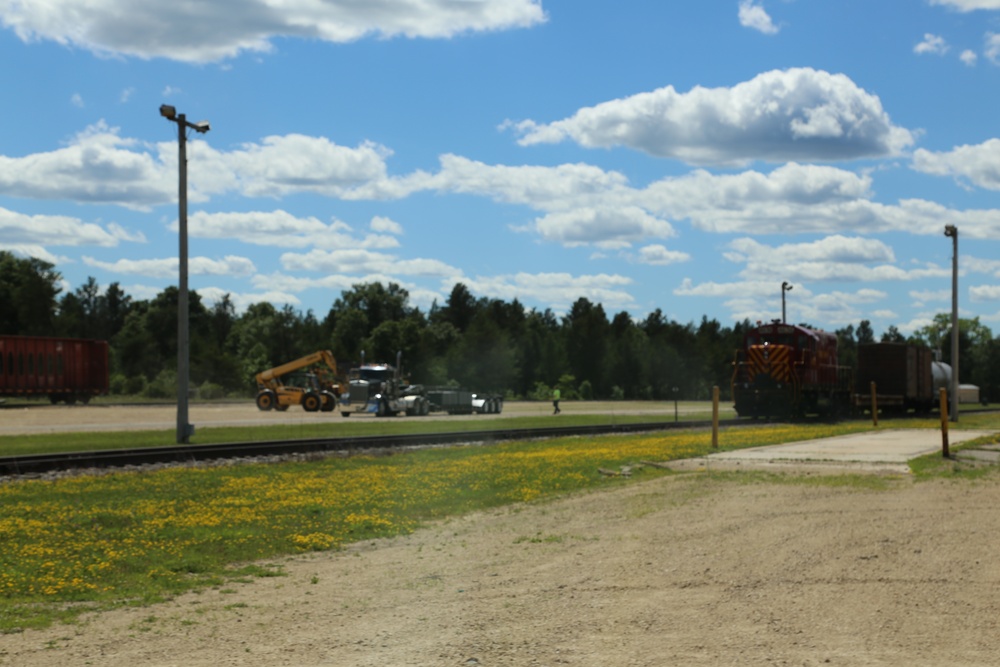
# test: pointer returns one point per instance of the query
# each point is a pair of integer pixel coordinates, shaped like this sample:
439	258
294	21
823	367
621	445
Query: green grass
96	542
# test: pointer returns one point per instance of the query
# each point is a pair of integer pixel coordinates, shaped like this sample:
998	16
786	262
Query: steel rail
31	464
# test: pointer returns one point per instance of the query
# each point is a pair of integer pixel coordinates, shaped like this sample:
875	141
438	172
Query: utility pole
952	231
785	287
184	429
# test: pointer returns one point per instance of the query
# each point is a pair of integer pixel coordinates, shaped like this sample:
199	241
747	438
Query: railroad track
31	464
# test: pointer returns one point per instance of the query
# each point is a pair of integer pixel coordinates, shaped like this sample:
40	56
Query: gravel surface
684	570
689	569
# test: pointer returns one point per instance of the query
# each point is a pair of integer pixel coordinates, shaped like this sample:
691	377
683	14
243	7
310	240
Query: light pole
184	429
952	231
675	404
785	287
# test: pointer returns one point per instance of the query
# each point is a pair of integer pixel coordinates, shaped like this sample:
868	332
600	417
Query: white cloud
659	255
754	16
980	164
77	100
969	57
386	225
979	265
760	300
979	293
832	259
932	44
56	230
281	229
992	50
98	166
968	5
361	261
242	300
560	290
780	115
212	31
606	227
169	267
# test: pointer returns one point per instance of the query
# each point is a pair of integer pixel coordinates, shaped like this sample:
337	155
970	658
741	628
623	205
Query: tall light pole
184	429
952	231
785	287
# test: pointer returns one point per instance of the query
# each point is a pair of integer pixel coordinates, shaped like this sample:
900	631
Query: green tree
28	291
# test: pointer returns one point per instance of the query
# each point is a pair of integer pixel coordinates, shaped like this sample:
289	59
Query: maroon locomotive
788	370
64	369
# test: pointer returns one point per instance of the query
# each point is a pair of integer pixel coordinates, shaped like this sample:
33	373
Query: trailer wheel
345	413
265	400
311	402
425	408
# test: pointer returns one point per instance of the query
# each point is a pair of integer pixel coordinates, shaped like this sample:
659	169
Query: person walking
555	401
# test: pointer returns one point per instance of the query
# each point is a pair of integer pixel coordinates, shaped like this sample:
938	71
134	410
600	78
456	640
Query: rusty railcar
63	369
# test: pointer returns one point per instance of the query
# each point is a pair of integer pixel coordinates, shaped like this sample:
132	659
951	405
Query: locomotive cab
786	370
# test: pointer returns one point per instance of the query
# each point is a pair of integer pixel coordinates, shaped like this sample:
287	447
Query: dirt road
684	570
42	418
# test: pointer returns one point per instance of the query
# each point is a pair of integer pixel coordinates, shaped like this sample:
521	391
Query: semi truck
380	389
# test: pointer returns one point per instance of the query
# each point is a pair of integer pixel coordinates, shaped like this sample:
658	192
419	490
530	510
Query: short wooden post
715	417
874	405
944	423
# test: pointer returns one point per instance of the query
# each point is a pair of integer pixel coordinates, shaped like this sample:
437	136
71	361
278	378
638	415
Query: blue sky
687	155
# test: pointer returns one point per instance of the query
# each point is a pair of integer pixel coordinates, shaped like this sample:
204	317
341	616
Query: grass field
94	542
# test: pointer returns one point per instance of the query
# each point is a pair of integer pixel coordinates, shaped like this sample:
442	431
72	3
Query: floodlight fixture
785	287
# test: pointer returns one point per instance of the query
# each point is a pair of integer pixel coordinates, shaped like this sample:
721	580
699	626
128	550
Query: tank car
64	369
785	370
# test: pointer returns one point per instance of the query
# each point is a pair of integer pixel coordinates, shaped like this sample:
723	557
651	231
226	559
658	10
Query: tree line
481	343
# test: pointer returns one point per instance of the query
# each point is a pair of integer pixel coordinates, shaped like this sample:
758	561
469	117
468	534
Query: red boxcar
788	370
64	369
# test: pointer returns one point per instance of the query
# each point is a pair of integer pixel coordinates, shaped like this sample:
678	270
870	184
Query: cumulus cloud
969	57
98	166
604	227
794	114
18	229
659	255
968	5
832	259
992	50
281	229
760	300
754	16
979	164
979	293
932	44
560	290
362	261
169	267
211	31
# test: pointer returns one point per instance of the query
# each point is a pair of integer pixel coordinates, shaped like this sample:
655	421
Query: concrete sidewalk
880	452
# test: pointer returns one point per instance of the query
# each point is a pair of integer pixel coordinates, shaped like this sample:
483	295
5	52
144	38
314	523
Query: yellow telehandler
292	384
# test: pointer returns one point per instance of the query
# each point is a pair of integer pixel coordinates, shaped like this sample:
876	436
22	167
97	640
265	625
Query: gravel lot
684	570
